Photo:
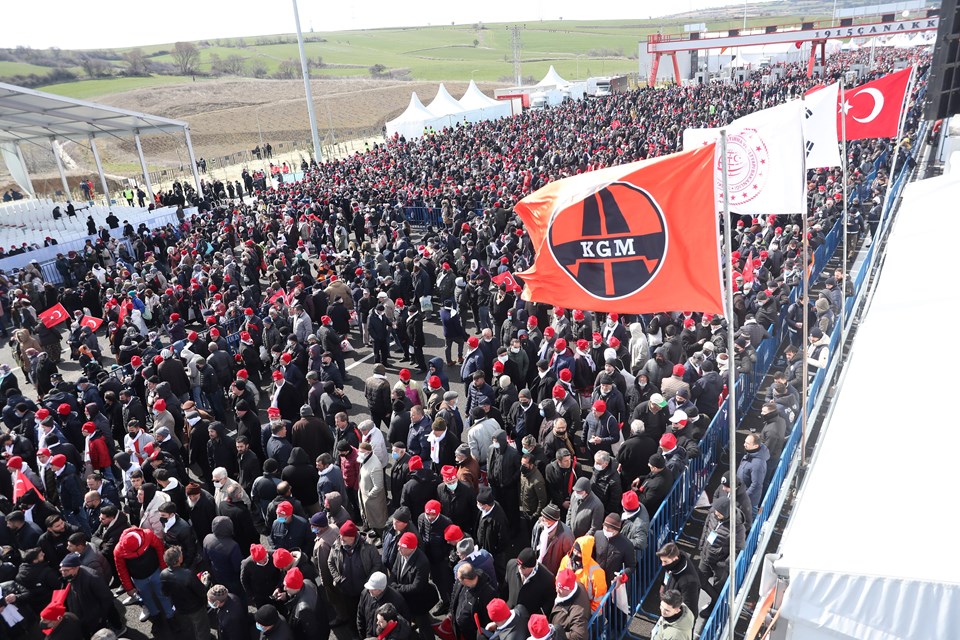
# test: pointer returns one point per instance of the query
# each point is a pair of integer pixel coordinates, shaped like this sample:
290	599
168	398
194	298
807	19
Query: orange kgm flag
636	238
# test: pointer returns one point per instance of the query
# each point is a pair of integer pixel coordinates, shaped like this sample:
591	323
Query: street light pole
306	87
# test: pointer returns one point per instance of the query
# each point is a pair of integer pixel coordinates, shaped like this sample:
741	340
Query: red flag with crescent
506	278
90	321
53	316
122	314
23	486
873	110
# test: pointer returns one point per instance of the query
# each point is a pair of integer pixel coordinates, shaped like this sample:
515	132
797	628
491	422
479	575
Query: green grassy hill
578	50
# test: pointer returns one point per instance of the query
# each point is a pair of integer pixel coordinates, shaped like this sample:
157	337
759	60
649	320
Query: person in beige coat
373	493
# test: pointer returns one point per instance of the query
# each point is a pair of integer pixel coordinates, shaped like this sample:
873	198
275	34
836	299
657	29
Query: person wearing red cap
603	431
541	629
457	499
301	603
410	576
95	450
431	527
473	361
509	625
57	623
259	576
289	530
139	560
671	385
352	560
571	610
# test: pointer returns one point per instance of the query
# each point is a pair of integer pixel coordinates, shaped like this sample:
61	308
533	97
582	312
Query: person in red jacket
139	560
95	452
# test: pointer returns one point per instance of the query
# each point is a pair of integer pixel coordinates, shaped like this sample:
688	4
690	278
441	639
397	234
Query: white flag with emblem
764	160
820	127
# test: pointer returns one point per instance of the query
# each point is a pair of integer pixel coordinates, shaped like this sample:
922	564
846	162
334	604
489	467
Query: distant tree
186	56
137	62
288	69
216	64
93	67
476	43
240	43
258	68
234	65
377	70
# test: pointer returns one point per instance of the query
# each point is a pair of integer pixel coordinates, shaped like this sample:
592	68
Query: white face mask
514	349
598	467
609	534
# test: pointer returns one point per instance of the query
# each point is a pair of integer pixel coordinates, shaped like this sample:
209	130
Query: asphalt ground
359	364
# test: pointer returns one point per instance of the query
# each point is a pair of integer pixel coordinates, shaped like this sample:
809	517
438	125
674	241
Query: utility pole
515	43
318	156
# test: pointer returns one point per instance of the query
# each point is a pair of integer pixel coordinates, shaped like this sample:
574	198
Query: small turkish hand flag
90	321
53	316
506	278
873	110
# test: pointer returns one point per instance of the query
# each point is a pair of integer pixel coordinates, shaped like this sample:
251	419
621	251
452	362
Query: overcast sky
121	23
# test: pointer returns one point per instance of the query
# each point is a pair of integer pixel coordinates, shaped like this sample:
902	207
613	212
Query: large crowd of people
205	453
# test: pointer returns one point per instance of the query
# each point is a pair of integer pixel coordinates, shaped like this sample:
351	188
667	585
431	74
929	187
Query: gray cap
582	484
466	546
162	432
306	411
377	580
450	395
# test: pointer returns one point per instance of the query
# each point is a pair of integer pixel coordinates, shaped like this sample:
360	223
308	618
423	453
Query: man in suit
286	398
411	579
379	327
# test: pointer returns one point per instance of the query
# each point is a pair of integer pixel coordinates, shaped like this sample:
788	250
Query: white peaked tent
482	107
411	123
552	79
445	104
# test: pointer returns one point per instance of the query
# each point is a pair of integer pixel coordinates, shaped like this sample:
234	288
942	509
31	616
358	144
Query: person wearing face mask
533	493
289	531
523	417
177	532
88	596
551	538
352	560
233	620
60	624
457	499
529	584
372	489
468	469
589	574
606	482
493	530
271	624
586	511
614	552
519	357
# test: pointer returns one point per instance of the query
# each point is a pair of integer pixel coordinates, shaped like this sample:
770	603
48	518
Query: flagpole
843	146
732	386
896	153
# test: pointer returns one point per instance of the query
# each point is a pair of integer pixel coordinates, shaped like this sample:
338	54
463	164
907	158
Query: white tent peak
473	98
552	79
415	110
444	104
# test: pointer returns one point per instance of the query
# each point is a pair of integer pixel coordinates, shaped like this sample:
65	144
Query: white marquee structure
29	116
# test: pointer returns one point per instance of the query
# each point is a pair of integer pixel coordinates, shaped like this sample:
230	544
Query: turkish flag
748	269
125	308
507	278
635	238
873	110
23	486
53	316
279	295
90	321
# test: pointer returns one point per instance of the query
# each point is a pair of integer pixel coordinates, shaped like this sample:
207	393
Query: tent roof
873	494
444	104
473	98
415	111
552	79
26	114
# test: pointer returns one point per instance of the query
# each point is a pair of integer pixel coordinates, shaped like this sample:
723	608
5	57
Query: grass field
9	69
578	50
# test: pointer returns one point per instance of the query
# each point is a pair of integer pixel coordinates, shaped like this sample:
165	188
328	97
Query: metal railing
769	511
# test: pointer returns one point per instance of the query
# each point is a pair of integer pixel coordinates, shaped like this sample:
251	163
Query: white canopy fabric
26	114
416	118
860	547
444	104
485	107
552	79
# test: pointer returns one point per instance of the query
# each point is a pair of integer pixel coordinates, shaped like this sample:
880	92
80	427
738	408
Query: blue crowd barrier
714	627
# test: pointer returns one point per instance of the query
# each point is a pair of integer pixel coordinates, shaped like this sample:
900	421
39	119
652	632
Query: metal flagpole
806	331
896	152
843	263
306	87
732	386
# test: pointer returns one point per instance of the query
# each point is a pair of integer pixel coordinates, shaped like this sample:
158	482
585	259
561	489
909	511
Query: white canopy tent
445	104
412	122
552	79
474	100
860	548
45	119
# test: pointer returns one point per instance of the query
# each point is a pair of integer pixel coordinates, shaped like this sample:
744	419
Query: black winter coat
413	582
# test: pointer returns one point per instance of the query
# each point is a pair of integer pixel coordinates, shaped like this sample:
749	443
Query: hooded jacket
302	475
138	555
590	574
222	553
